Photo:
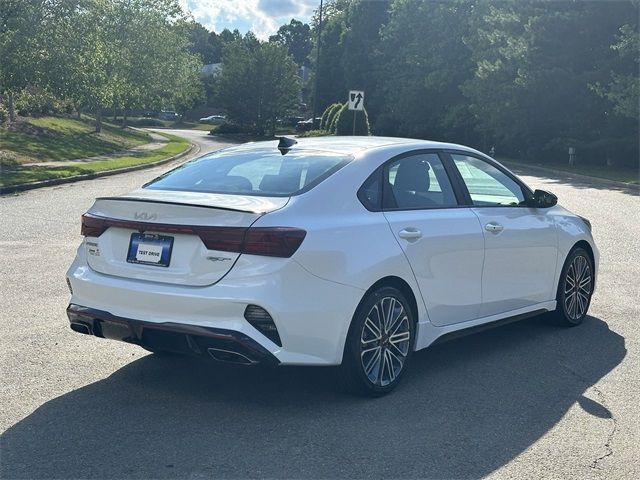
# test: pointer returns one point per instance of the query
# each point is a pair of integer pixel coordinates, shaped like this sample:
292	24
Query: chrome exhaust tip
81	328
229	356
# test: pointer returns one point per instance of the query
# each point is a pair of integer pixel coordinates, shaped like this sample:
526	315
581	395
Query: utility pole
315	86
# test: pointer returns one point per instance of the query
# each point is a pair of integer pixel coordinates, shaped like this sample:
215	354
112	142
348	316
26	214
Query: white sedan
351	251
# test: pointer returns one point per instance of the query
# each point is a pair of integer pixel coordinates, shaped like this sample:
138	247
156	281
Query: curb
89	176
578	176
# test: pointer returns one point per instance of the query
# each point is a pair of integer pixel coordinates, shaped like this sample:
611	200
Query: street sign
356	100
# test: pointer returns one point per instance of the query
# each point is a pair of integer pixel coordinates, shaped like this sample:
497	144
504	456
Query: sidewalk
157	141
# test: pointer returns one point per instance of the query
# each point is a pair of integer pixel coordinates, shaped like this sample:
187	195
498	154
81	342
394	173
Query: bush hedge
344	122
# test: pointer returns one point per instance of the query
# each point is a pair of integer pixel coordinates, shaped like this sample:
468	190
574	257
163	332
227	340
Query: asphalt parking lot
527	400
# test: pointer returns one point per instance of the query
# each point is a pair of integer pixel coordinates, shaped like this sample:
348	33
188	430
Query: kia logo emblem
146	216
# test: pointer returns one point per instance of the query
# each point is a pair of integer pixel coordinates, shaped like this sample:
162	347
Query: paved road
524	401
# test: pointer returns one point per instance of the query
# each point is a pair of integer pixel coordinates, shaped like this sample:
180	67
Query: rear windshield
257	172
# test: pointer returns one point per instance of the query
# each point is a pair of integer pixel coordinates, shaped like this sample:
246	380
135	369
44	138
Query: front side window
418	181
252	172
487	185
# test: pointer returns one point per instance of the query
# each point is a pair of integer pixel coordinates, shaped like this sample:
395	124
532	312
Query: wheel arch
405	289
400	284
585	245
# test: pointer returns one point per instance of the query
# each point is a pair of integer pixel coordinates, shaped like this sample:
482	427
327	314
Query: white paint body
460	275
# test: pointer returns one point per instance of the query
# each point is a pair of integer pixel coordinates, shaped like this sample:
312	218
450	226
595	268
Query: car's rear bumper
220	344
312	315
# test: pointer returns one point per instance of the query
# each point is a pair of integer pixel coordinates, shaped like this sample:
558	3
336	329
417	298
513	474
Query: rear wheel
379	344
575	288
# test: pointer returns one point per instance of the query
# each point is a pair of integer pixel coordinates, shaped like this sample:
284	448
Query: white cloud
262	17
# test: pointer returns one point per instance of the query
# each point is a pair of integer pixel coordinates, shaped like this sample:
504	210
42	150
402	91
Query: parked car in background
306	125
214	119
291	121
351	251
168	115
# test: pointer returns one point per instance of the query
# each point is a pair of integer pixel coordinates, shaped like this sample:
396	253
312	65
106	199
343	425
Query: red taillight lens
273	241
227	239
92	226
269	241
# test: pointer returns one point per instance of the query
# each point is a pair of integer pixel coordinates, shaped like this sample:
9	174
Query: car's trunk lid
182	238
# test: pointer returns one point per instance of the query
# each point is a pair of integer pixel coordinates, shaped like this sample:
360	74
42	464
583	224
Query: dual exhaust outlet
218	354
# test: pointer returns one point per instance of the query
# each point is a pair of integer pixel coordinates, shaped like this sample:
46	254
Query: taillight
227	239
268	241
92	226
273	241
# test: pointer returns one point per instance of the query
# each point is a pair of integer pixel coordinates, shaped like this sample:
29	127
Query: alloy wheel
577	287
385	341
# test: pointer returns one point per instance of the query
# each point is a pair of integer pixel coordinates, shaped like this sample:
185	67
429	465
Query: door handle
493	227
410	233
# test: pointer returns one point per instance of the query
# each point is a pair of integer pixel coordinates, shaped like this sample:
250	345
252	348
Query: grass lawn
19	174
620	174
55	138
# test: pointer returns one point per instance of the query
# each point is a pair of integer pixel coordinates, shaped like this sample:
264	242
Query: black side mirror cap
543	199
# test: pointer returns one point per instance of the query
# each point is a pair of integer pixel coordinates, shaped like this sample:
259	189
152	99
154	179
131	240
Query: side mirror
543	199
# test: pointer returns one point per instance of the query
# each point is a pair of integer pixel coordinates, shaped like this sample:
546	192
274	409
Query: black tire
361	372
575	289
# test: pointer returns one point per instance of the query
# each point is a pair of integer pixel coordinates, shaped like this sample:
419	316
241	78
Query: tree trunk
98	119
12	109
77	107
115	114
124	118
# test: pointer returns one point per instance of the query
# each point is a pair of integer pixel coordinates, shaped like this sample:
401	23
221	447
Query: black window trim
526	191
459	189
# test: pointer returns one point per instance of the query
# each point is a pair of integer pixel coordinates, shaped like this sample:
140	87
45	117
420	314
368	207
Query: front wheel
379	344
575	288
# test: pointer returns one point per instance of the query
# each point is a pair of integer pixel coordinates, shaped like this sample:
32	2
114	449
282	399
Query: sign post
356	103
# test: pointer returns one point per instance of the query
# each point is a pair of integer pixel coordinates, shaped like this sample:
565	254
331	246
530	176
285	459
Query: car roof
348	145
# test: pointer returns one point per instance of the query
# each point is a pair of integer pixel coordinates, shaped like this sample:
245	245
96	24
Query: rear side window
262	172
416	182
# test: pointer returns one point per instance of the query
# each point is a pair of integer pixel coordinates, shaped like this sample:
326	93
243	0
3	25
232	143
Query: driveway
527	400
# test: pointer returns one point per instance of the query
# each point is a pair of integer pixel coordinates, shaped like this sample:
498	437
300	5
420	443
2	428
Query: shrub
344	122
8	160
227	128
4	113
34	101
327	116
145	122
331	117
313	133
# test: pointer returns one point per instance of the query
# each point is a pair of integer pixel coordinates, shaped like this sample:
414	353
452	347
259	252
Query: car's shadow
465	408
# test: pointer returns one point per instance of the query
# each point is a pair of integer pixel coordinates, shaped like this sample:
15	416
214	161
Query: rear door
521	245
182	238
442	240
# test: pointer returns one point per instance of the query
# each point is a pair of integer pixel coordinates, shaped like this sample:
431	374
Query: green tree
21	55
623	91
424	63
536	63
258	83
296	36
330	70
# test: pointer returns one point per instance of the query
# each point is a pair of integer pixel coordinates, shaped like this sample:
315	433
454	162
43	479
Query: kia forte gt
351	251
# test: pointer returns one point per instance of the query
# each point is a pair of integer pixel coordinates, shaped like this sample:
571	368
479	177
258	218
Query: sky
262	17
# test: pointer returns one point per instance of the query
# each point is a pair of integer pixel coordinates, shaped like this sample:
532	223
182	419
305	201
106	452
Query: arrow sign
356	100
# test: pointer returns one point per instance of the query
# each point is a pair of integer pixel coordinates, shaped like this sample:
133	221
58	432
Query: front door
521	245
